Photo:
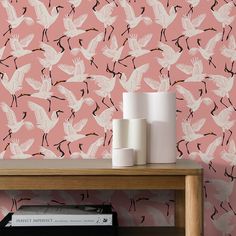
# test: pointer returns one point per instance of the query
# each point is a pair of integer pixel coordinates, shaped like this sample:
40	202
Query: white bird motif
52	57
44	122
14	125
74	104
13	20
106	86
222	119
162	17
131	19
195	71
134	82
160	86
104	119
43	89
222	15
105	17
230	52
15	83
92	150
90	51
192	103
48	154
44	18
208	51
208	155
170	57
74	4
18	46
230	154
77	72
18	150
224	86
192	4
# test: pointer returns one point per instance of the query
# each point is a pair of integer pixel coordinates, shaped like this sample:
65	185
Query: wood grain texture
180	208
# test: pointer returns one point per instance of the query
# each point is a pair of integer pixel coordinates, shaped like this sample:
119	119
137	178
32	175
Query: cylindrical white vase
160	111
131	133
122	157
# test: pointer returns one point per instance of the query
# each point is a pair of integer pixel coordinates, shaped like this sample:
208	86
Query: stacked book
54	215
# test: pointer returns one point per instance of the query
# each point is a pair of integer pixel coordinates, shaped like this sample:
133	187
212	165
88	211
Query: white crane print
13	124
222	120
90	51
209	154
163	85
74	104
208	51
43	89
162	17
192	103
191	133
77	72
13	20
192	5
230	154
224	86
92	150
222	15
230	52
170	57
133	83
51	58
74	4
137	47
48	154
104	119
195	71
44	18
14	84
18	46
131	19
106	86
44	122
104	15
73	133
19	150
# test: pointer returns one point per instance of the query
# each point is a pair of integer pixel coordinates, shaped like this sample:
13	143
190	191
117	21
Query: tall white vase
159	109
131	133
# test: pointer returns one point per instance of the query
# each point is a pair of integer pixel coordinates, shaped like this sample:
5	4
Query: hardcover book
52	215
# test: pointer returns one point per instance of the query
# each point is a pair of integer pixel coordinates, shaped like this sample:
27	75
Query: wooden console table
185	177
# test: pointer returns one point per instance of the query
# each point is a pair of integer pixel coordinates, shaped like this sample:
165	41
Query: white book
87	215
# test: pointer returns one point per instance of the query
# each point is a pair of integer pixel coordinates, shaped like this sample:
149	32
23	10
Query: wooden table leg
180	208
193	206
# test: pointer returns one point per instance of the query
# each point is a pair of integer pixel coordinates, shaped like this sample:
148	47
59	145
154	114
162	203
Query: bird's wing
67	68
49	51
186	127
232	147
187	69
11	13
133	43
40	9
158	9
68	127
101	80
167	51
36	85
10	114
26	145
212	146
226	113
218	184
198	125
107	114
129	12
226	9
188	97
197	67
137	74
26	40
47	153
68	23
80	125
153	84
70	97
114	43
107	9
94	147
219	80
232	43
40	114
187	23
14	147
198	20
213	41
79	67
145	40
19	74
14	43
46	84
80	20
94	42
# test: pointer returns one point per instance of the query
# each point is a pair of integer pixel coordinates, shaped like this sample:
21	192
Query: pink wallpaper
65	64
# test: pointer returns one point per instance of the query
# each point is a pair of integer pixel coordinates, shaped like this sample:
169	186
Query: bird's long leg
223	34
186	144
92	62
229	32
46	139
58	145
229	136
96	109
1	61
205	86
72	114
15	62
190	114
105	137
132	204
221	205
86	84
127	30
49	106
177	146
210	62
96	4
103	101
109	141
164	33
122	59
68	145
177	43
112	29
15	99
210	166
133	62
8	135
214	213
104	36
190	9
221	101
231	208
68	41
231	104
113	104
46	34
222	143
72	9
9	30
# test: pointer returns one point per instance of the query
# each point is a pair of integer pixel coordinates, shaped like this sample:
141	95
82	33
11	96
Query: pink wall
197	61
